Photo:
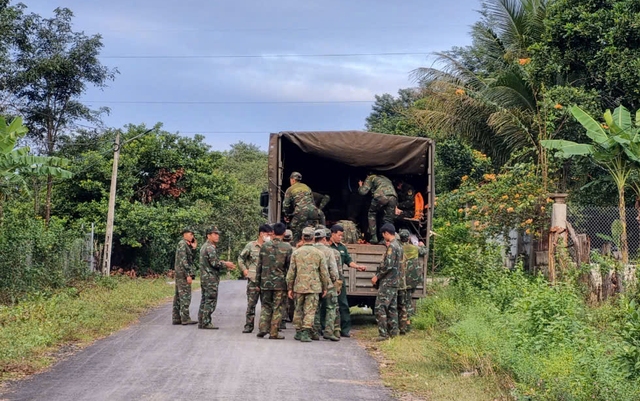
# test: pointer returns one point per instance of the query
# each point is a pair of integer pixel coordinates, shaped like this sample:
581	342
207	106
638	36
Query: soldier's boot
336	333
330	336
276	336
176	322
381	338
304	336
209	326
261	334
298	335
283	325
186	322
247	329
313	334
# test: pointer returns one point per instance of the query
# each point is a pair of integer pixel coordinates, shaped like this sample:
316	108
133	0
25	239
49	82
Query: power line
275	29
228	102
216	56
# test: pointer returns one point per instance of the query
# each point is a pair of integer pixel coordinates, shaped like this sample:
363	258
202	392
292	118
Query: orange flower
528	221
489	177
460	92
464	178
558	106
605	126
474	207
505	197
476	223
509	209
528	231
460	210
542	208
501	206
524	61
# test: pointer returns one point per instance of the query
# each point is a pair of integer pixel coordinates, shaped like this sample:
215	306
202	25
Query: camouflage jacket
248	259
406	198
209	261
298	198
308	272
388	270
183	264
273	263
338	258
321	200
351	232
414	271
330	259
378	185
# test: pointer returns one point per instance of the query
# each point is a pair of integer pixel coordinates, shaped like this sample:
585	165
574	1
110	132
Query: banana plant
615	145
16	162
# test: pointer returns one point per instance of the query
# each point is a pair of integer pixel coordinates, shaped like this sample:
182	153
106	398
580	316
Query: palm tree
485	93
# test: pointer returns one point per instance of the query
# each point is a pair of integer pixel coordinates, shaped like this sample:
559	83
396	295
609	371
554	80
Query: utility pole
108	238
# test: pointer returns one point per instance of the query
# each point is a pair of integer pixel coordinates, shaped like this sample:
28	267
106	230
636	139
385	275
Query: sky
217	68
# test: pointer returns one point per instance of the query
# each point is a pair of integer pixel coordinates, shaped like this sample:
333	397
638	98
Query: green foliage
389	114
455	160
630	334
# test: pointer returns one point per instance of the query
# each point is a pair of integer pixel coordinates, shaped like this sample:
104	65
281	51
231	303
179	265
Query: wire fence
603	227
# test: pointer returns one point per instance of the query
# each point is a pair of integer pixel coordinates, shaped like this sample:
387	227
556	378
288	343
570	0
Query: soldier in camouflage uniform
383	198
210	269
415	274
287	305
403	301
307	277
406	200
248	260
326	314
184	274
299	207
271	270
386	280
351	233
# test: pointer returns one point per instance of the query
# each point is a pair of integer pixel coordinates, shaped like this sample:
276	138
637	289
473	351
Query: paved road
154	360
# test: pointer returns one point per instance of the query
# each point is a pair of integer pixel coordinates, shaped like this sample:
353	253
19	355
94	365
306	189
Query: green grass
37	330
420	365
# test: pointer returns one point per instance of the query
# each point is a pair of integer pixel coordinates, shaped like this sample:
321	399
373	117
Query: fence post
558	228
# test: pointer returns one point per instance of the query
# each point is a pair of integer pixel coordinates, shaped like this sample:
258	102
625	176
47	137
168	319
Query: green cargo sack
351	232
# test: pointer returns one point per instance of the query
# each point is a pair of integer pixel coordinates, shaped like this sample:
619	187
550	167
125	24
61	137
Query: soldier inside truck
340	182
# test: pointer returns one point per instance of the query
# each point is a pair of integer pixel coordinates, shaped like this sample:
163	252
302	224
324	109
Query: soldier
343	304
184	274
326	314
386	281
307	277
247	261
403	302
415	276
210	269
299	206
273	264
383	198
406	200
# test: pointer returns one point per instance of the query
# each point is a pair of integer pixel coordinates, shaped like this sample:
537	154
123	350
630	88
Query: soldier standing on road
415	276
287	305
248	260
299	206
271	270
184	275
324	322
343	304
386	280
307	277
383	198
210	269
403	301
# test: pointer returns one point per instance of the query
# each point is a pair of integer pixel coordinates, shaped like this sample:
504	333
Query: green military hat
288	235
308	232
318	233
213	230
404	234
296	176
327	233
187	230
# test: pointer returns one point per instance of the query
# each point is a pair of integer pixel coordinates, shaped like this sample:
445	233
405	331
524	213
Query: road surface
155	360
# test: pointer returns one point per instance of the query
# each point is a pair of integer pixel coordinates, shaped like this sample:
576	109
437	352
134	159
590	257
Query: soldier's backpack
351	232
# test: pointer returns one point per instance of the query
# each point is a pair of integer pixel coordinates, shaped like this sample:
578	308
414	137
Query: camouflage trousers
305	312
209	301
386	311
410	307
326	319
303	218
253	295
181	301
386	204
344	311
403	310
287	309
271	313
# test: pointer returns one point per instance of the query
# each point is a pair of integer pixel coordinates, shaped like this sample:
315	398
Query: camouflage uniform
307	277
326	313
343	302
386	301
210	270
247	261
351	233
415	276
403	302
299	205
406	200
383	197
183	267
273	263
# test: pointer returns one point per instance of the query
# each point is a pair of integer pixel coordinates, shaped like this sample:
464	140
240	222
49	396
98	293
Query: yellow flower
528	221
605	126
558	106
549	200
447	224
517	196
505	197
542	208
528	231
501	206
474	207
460	92
464	178
460	210
509	209
489	177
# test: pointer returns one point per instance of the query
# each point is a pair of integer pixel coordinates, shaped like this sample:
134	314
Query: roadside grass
420	366
45	326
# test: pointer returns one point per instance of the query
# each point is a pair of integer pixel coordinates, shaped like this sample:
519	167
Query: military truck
332	163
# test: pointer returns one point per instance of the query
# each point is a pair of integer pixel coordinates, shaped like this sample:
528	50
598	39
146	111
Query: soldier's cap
296	176
327	233
388	228
319	233
404	234
213	230
187	230
308	232
288	234
337	228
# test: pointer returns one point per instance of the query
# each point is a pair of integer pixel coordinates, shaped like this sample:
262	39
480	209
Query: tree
389	114
615	146
51	68
16	163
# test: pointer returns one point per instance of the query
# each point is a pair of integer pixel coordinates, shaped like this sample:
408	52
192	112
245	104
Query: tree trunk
47	206
624	247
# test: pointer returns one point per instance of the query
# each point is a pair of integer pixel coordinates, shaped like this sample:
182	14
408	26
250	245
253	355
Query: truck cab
331	164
